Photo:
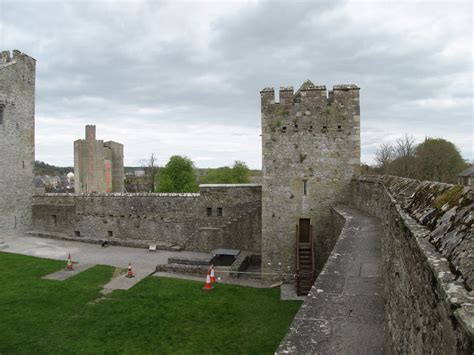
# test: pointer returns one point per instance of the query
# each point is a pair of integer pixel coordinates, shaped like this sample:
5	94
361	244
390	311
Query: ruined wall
427	261
17	140
98	166
309	137
220	216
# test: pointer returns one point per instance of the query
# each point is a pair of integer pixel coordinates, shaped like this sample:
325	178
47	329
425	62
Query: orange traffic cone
208	285
69	263
213	276
129	272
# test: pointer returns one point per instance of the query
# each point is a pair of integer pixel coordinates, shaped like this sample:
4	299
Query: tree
178	176
384	157
438	160
403	164
151	170
238	174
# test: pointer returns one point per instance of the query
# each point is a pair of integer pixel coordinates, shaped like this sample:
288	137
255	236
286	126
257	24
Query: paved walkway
86	253
344	312
64	274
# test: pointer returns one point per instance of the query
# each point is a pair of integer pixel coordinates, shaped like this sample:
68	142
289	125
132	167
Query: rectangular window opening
77	233
55	219
1	113
209	211
23	164
283	129
311	128
110	233
305	187
219	211
339	128
325	129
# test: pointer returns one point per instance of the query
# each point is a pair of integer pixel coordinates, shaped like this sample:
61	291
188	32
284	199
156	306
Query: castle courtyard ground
157	315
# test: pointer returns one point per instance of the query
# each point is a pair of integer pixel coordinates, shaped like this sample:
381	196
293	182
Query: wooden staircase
305	275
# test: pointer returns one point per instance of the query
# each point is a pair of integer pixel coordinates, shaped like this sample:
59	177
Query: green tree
438	160
238	174
178	176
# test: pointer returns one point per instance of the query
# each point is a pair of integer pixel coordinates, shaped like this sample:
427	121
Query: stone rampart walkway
344	312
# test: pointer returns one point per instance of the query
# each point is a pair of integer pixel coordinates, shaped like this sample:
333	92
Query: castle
310	159
98	166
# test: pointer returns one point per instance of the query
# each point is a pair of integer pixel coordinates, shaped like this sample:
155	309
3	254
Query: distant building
139	172
98	165
466	177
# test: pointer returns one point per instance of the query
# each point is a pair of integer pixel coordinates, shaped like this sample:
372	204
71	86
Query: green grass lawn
158	315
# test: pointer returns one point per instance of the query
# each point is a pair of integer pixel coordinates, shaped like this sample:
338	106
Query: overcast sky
184	77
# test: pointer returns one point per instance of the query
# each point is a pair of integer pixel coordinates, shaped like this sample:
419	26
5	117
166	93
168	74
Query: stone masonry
311	151
17	142
98	165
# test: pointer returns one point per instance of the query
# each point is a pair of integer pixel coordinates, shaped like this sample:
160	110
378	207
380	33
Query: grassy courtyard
157	315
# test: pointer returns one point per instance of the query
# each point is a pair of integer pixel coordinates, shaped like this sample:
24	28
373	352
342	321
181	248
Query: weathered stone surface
344	312
426	236
311	137
17	143
168	220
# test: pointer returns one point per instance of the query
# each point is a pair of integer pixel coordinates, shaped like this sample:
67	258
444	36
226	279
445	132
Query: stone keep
17	140
310	152
98	165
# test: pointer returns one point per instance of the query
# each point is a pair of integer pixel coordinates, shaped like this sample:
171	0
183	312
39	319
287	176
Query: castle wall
164	219
311	136
428	270
17	140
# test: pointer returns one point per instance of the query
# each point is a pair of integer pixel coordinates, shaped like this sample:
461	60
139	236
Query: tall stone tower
311	151
98	166
17	140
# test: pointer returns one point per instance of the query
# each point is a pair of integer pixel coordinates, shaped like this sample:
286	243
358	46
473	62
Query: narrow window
219	211
283	129
209	211
305	187
55	219
2	107
296	127
110	233
325	129
23	164
311	128
339	128
77	233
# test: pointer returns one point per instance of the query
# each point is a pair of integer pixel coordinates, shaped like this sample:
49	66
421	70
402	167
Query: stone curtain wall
427	262
310	137
17	140
164	219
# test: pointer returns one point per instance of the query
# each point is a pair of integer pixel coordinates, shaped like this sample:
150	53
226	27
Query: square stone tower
17	140
310	152
98	166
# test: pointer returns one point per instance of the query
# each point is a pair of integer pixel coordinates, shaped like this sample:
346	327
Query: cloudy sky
183	77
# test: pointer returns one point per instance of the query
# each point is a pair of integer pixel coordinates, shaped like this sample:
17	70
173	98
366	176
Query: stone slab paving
344	311
64	274
288	293
122	282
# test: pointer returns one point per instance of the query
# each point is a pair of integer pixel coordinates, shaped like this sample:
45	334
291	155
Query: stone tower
17	140
310	152
98	166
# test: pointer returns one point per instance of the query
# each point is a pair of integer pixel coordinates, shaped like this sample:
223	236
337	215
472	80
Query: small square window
209	211
339	128
324	129
77	233
110	233
219	211
283	129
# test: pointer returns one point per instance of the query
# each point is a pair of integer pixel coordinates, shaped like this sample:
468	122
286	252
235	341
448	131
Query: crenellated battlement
287	96
7	57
